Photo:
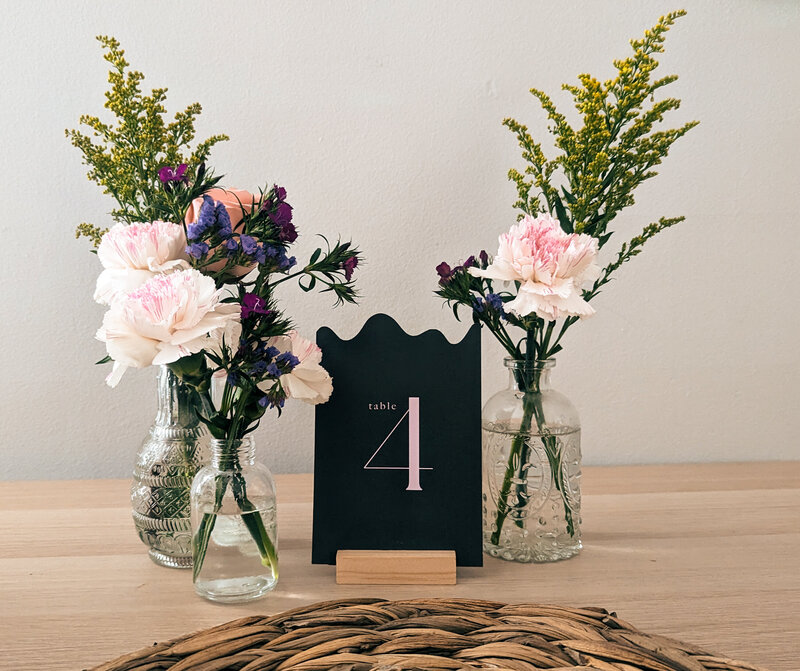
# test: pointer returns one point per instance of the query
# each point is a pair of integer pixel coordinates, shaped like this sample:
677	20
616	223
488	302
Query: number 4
413	467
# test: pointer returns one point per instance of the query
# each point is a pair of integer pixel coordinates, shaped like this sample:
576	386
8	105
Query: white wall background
382	119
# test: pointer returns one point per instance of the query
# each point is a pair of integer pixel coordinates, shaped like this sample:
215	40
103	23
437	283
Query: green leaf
566	224
105	359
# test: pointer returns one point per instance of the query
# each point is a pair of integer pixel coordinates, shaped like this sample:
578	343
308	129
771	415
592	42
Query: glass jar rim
524	364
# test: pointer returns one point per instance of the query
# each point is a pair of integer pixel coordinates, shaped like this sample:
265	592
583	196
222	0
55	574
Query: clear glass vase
168	460
531	469
234	525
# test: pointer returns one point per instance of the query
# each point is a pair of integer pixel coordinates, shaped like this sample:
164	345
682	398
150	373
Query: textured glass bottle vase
531	469
234	525
166	464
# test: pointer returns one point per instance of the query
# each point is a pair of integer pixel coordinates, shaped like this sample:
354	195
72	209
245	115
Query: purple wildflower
207	216
484	257
260	255
249	245
197	250
495	301
223	221
258	367
282	214
194	231
168	174
445	272
349	266
263	401
273	370
287	232
287	360
253	304
232	246
478	305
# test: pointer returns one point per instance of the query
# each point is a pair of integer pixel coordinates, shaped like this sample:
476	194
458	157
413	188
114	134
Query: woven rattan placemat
362	634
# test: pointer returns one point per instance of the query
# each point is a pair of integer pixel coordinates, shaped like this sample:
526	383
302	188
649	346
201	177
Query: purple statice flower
206	218
223	221
264	401
253	304
271	352
261	255
495	301
287	361
349	266
249	245
278	254
258	367
478	305
232	246
194	231
197	250
169	174
273	370
445	272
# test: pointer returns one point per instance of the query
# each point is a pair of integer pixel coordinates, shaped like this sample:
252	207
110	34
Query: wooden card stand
396	567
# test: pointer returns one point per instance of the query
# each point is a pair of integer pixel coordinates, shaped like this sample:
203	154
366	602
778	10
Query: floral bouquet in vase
190	275
540	283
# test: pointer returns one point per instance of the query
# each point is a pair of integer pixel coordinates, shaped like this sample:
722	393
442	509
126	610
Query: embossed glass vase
168	460
234	524
531	468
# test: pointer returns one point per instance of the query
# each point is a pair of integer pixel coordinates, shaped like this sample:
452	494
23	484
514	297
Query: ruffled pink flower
550	265
166	318
132	254
308	380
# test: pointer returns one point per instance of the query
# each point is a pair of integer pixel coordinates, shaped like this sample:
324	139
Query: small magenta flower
287	232
169	174
349	266
445	272
253	304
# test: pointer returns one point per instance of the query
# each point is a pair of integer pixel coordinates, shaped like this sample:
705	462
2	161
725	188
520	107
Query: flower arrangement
546	271
190	271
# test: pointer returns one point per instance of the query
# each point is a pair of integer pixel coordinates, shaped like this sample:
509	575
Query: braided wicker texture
363	634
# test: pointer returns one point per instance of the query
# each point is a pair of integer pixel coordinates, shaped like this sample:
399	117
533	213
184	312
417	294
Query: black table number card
398	445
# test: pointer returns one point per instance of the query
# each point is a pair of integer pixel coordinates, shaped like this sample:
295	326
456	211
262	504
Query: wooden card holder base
395	567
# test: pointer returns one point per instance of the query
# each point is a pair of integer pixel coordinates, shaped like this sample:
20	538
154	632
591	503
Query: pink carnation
550	265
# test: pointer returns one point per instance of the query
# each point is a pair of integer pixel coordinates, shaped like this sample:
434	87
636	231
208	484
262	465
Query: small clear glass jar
531	468
234	525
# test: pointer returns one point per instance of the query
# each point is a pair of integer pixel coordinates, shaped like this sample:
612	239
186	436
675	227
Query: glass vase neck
175	406
524	375
231	453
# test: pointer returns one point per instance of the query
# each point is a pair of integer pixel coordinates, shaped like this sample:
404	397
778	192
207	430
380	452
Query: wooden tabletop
705	553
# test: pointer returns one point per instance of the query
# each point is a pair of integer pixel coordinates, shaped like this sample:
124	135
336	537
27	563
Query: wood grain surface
705	553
